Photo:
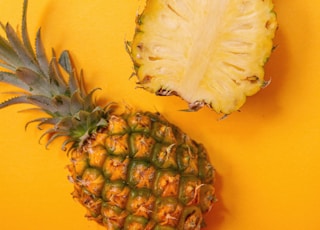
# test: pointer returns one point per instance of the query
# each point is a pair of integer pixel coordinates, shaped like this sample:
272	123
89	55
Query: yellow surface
267	156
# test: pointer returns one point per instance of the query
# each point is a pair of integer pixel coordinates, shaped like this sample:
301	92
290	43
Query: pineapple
210	52
130	169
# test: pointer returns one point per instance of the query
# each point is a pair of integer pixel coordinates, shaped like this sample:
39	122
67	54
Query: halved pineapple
208	52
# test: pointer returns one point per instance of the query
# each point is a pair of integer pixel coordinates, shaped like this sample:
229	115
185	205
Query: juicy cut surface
207	52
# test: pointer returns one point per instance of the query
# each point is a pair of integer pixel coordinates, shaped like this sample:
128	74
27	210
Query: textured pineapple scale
141	172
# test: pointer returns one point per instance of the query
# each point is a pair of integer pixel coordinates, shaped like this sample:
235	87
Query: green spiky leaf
70	110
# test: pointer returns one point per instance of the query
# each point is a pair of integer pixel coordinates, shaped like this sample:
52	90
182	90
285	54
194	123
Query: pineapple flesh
130	169
210	52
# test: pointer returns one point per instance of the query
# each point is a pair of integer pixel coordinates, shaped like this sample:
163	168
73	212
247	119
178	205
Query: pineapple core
210	53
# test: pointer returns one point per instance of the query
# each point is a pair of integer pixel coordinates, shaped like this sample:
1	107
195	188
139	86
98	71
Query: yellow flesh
207	51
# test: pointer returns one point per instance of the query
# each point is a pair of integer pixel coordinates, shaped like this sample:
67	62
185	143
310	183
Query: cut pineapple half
208	52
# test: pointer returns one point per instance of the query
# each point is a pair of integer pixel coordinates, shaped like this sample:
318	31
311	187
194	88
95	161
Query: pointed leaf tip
65	61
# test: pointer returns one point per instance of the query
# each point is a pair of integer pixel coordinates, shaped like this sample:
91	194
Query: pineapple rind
151	191
209	52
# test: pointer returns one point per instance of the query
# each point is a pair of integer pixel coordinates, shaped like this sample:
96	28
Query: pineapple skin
141	172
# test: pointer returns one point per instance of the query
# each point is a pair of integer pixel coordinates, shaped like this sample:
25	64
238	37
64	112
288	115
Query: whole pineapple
209	52
131	170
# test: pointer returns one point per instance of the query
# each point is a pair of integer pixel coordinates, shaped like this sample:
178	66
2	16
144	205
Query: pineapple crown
71	109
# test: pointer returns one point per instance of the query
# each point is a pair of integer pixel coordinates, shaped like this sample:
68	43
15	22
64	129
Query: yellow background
267	156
